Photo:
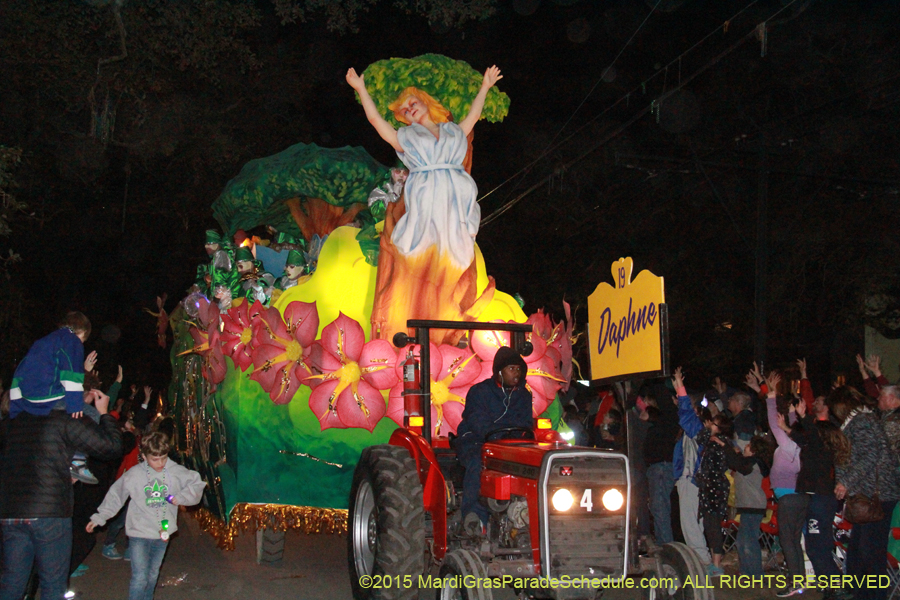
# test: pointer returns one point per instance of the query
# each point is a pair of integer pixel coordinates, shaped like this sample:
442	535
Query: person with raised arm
785	468
429	262
685	464
870	369
440	196
822	447
712	485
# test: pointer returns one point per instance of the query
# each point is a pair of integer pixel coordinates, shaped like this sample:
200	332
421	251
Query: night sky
657	157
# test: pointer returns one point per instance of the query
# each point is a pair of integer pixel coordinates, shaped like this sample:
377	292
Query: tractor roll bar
423	338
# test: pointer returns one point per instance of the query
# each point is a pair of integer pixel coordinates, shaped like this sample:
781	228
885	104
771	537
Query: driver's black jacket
489	406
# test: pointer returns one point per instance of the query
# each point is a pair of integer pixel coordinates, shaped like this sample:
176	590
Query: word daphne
632	323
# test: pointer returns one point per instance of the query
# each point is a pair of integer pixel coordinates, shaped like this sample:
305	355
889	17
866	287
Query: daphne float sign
628	326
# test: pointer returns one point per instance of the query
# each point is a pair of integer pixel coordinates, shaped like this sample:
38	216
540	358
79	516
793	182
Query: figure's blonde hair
436	111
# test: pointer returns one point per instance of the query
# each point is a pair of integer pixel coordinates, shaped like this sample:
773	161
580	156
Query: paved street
314	568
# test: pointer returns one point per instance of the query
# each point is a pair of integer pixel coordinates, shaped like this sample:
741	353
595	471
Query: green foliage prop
339	176
453	83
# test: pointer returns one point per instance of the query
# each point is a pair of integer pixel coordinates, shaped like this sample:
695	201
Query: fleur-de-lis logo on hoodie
156	493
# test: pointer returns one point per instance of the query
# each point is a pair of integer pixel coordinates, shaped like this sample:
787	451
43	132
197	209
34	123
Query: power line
605	71
549	147
641	86
497	213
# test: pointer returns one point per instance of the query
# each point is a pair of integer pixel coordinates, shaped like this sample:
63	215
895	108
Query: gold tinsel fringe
278	517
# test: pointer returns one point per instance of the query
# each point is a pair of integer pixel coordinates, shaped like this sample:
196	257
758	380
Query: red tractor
560	523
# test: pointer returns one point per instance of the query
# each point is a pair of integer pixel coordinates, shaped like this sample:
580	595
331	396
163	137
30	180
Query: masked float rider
294	269
256	284
220	272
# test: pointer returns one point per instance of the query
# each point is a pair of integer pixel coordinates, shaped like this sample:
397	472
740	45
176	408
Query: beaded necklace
156	497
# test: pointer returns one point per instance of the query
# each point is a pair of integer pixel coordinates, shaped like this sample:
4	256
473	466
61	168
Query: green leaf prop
339	176
453	83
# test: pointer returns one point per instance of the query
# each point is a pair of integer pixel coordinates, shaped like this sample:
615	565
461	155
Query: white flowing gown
441	206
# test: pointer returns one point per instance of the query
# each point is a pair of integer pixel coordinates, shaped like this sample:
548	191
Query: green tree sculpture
453	83
304	189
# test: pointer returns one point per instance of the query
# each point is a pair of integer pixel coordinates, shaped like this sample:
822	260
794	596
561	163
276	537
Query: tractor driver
495	403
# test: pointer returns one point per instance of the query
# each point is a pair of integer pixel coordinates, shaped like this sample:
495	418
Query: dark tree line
131	117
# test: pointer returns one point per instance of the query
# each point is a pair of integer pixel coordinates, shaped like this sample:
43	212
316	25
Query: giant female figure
427	260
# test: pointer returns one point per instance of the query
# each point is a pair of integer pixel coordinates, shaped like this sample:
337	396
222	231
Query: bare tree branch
121	27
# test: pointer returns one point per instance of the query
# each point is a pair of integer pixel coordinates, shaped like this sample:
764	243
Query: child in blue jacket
51	377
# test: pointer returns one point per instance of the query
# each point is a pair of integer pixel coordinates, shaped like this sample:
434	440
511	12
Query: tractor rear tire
386	526
457	565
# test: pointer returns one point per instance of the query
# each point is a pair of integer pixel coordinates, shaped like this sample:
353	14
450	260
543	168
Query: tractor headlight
613	499
562	500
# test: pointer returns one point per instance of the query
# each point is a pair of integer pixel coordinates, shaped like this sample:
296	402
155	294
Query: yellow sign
627	325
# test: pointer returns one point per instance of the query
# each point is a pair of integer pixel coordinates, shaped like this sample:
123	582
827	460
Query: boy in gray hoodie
156	487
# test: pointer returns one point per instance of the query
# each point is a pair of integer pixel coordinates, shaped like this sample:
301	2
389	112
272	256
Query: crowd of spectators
65	440
702	460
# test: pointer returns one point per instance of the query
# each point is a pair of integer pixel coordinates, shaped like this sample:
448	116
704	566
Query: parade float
279	381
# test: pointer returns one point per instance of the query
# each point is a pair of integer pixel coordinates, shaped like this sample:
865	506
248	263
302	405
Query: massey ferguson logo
565	471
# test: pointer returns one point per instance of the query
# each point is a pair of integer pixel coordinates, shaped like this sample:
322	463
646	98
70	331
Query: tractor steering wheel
525	433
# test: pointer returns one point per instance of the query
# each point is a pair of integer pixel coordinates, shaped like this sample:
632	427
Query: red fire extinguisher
412	387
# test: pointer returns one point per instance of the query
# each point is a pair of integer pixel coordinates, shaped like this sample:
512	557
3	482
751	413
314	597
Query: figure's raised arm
384	129
491	77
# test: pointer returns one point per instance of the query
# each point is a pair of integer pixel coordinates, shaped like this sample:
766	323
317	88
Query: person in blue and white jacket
52	371
685	462
51	377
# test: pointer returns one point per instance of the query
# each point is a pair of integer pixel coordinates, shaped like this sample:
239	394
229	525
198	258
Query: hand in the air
772	382
782	424
720	385
90	361
801	364
757	373
751	382
356	81
491	77
873	363
678	379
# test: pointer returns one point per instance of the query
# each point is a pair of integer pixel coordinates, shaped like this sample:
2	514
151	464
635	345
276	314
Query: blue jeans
115	526
146	559
661	481
45	542
469	456
867	553
747	542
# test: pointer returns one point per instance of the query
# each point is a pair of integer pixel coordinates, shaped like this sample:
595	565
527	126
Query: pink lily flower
349	373
207	344
281	349
237	333
558	336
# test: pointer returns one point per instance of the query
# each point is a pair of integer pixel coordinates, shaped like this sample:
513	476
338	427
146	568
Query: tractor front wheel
679	575
456	583
386	541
